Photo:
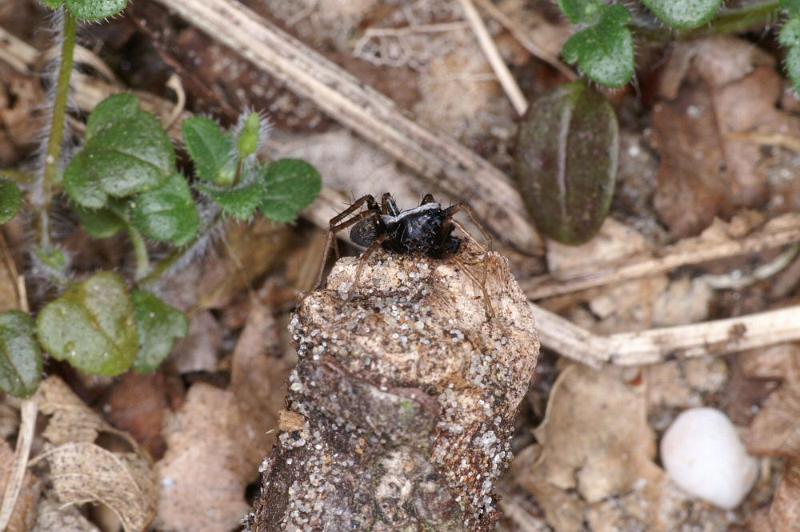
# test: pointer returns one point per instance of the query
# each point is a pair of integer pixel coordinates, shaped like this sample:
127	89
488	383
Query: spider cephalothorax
423	230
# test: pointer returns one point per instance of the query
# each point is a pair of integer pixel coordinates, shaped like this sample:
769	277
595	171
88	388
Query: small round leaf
168	213
100	223
92	326
210	149
239	202
94	10
159	325
292	185
604	52
684	14
20	356
566	162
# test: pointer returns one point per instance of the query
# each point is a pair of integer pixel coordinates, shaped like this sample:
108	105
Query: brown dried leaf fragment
71	420
409	393
718	91
784	513
83	472
595	436
201	474
52	515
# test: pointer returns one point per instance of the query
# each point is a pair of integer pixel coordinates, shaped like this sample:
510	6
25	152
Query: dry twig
489	48
778	232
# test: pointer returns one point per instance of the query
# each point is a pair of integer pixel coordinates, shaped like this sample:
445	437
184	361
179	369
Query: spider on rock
423	230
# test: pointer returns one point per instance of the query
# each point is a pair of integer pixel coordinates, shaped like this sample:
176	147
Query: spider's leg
364	258
487	302
339	222
428	198
388	205
461	206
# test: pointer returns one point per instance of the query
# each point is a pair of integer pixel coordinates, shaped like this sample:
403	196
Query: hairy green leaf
582	11
52	4
100	223
604	52
92	326
168	213
53	259
126	152
792	64
210	149
159	326
566	162
292	185
20	356
792	7
790	32
94	10
684	14
10	200
240	201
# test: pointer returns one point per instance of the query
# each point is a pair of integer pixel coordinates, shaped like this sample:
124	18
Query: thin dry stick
489	48
28	413
524	38
716	337
440	159
778	232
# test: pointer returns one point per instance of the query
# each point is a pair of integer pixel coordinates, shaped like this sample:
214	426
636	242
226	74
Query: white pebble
703	454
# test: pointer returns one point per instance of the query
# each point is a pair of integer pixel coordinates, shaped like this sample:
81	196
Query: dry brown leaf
136	404
564	510
202	488
775	429
8	279
258	382
718	88
199	350
71	420
52	515
82	472
24	514
595	436
784	513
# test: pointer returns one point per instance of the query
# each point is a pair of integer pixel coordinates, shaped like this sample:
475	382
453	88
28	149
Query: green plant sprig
603	46
125	178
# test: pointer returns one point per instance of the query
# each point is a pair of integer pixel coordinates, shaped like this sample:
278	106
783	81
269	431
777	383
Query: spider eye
364	232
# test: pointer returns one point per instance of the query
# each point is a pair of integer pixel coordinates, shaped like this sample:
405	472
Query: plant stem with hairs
52	163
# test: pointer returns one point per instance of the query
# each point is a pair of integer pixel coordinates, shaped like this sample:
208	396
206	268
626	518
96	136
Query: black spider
423	230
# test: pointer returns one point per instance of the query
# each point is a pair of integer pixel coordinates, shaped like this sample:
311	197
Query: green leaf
168	213
159	326
292	185
52	4
210	149
582	11
792	64
240	202
94	10
10	200
100	223
126	152
790	33
20	356
604	52
566	162
684	14
792	7
92	326
250	133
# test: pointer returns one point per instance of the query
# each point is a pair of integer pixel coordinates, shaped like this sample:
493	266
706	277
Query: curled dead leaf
84	471
595	436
